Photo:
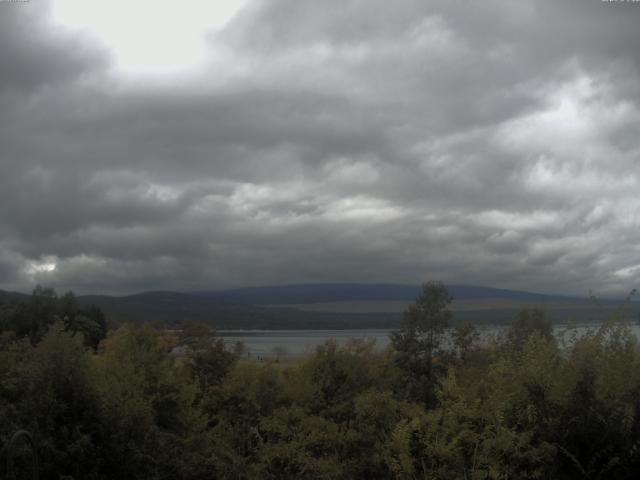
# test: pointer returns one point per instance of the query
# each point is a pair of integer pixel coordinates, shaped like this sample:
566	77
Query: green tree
331	379
148	406
89	321
465	336
420	338
49	390
209	360
299	445
527	323
33	316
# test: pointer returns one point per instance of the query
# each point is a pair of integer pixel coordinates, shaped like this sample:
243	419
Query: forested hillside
124	406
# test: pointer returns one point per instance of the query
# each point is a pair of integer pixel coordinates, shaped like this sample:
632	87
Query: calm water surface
266	343
270	343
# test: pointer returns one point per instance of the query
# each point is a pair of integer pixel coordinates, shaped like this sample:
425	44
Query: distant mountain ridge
323	292
325	306
338	292
10	296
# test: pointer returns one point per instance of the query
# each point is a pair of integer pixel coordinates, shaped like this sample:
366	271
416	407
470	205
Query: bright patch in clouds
627	272
149	37
46	265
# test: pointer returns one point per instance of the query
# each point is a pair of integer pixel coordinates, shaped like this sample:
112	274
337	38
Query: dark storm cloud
33	54
491	143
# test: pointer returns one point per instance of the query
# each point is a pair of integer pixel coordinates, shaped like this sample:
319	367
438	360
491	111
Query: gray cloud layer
491	143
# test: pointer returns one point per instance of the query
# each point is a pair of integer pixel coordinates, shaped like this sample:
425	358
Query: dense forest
119	404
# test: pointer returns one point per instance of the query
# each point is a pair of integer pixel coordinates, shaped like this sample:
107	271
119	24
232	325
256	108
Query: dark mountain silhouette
337	292
6	296
282	307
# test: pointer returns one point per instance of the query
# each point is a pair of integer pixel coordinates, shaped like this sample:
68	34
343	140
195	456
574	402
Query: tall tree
420	338
465	336
526	323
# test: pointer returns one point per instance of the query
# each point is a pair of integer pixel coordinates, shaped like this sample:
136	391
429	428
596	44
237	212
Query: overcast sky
180	145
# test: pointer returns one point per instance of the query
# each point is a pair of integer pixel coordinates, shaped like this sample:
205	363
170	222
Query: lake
265	343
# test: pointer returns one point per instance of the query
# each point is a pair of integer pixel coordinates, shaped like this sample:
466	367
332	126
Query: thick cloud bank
491	143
